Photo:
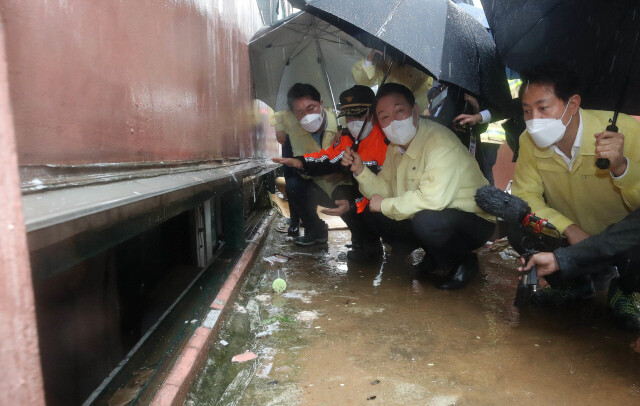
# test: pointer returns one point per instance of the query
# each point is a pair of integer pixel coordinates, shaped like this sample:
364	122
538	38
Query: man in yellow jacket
314	129
556	174
424	194
370	71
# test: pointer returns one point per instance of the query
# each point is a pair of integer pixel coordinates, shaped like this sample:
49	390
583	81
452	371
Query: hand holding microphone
353	160
515	210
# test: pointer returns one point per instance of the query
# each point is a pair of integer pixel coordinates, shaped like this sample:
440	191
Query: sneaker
313	237
555	297
365	252
623	309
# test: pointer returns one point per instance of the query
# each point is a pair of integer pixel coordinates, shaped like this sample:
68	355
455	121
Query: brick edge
173	390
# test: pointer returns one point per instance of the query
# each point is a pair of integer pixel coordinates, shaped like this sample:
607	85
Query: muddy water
353	334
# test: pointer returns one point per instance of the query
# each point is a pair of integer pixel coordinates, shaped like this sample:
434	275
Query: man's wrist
621	170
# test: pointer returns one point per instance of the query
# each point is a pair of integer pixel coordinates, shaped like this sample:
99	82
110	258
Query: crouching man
423	196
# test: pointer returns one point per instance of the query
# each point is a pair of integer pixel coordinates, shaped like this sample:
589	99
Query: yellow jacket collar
590	121
417	143
586	148
332	122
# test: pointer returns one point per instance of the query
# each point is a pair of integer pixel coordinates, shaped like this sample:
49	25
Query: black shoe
461	275
623	309
365	252
310	237
293	231
556	297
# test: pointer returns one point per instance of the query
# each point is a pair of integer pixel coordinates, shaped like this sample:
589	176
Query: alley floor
350	334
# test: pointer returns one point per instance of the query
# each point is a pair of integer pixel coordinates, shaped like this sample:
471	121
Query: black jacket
617	239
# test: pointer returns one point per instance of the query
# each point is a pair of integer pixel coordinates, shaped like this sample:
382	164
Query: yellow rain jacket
303	143
418	82
586	196
435	173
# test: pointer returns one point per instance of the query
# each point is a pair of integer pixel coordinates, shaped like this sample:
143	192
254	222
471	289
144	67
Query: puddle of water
425	346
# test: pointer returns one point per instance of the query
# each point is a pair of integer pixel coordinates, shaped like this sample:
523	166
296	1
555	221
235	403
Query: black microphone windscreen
501	204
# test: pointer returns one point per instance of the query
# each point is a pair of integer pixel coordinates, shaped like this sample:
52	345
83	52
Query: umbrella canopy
433	35
306	49
598	38
475	12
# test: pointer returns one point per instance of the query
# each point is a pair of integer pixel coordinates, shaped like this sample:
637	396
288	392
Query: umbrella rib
292	56
381	30
272	46
326	73
297	46
332	35
333	41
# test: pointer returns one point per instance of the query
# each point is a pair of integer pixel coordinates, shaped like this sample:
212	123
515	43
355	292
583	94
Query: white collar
577	144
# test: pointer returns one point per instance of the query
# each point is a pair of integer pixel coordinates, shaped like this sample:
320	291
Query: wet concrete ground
344	333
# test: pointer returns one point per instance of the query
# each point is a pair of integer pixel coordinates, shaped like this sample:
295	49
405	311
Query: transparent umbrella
306	49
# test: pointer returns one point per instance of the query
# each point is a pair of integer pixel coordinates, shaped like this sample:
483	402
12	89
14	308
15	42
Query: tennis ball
279	285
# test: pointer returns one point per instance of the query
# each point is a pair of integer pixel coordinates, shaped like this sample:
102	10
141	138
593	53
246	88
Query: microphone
509	208
515	210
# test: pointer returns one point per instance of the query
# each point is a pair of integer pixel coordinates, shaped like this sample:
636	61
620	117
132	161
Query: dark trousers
525	241
629	268
289	173
305	196
447	235
490	155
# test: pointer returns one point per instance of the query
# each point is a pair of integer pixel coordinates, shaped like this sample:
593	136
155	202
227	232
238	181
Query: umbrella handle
603	163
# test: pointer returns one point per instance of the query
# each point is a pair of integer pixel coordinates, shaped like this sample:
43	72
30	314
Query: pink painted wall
132	80
20	374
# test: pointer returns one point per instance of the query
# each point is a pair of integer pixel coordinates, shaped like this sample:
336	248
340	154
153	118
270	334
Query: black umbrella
433	35
598	38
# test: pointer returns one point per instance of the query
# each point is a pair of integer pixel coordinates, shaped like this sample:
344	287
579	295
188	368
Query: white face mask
312	122
400	132
547	131
355	126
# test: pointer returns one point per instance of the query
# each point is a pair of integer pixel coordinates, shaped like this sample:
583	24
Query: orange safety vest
372	150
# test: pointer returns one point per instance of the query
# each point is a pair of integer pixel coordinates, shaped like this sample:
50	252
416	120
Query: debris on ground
307	315
263	298
244	357
304	296
277	259
498	245
224	343
263	334
240	309
509	254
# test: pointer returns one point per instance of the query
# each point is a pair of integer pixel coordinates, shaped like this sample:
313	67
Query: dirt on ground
350	334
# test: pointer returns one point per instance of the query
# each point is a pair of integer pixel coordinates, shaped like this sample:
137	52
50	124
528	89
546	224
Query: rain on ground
345	333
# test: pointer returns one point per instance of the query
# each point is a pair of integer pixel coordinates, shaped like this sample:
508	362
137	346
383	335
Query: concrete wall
132	80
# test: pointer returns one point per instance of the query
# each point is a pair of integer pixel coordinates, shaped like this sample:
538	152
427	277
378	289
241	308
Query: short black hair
300	90
395	88
557	75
